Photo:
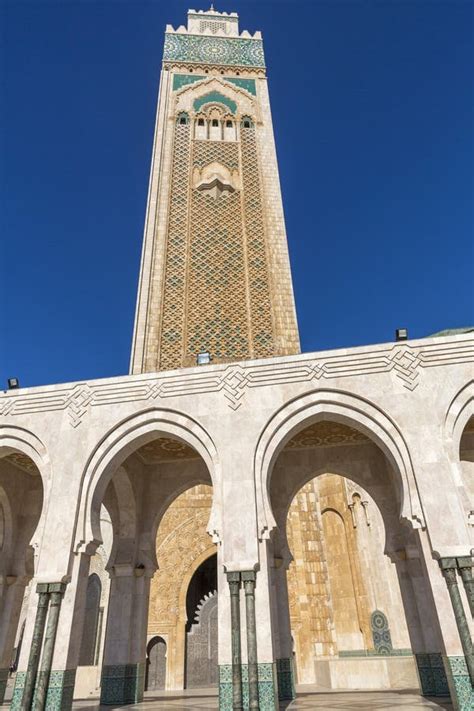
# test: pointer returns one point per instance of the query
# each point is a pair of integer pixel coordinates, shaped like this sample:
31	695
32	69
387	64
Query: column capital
249	576
465	562
233	576
447	563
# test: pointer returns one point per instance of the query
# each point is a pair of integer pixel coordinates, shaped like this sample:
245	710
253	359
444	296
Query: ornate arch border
460	411
339	406
123	439
26	442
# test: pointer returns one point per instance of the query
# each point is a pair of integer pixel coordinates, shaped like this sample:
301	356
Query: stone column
36	644
123	671
10	614
449	569
56	592
465	569
234	586
248	579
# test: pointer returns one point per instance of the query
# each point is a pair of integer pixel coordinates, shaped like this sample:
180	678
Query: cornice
403	362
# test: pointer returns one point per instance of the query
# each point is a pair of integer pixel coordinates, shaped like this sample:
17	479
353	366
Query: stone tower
215	272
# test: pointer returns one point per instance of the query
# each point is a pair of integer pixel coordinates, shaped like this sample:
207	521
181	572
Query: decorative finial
212	7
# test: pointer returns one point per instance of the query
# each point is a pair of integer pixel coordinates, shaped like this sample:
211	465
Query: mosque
236	514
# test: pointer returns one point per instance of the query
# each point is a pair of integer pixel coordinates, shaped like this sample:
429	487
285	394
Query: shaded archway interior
337	509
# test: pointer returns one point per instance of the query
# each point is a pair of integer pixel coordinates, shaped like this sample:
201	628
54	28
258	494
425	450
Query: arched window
229	124
247	122
90	641
215	123
201	122
183	119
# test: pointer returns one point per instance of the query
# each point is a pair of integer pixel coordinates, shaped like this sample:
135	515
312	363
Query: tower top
212	23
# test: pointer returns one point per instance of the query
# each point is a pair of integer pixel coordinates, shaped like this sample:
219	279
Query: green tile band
222	51
122	684
460	683
60	690
374	653
180	80
3	683
285	679
266	687
432	674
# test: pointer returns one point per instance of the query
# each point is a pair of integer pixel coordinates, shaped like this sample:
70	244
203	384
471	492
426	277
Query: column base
285	679
122	684
432	674
60	690
462	690
267	687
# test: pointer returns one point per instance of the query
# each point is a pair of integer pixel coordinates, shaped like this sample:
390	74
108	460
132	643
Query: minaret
215	273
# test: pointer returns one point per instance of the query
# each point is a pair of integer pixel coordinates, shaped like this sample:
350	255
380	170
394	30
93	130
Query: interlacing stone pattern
460	682
432	674
122	684
60	690
259	288
216	319
173	299
266	687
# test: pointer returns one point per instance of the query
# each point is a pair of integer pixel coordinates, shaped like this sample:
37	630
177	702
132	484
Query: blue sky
373	114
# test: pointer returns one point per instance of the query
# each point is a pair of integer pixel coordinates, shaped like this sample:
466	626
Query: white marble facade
414	400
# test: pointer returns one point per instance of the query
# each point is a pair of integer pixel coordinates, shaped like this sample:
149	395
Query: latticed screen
216	290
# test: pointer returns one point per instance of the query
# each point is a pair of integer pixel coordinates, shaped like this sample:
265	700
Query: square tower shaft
215	273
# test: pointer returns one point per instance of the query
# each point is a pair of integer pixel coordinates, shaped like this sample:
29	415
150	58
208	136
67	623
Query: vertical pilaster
233	579
248	579
449	569
123	671
36	644
56	591
465	569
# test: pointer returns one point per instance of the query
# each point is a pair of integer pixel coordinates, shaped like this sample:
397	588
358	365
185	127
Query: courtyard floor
308	697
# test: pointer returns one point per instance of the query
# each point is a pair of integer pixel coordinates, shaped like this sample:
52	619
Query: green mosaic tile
60	690
122	684
247	84
460	683
180	80
285	679
266	687
214	50
215	97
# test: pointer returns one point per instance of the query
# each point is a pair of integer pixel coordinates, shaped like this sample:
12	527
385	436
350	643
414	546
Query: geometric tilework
460	683
60	690
267	695
3	683
213	50
18	691
122	684
285	679
432	674
380	632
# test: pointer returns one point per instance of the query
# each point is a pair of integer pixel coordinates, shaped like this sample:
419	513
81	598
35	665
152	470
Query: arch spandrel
358	413
124	439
